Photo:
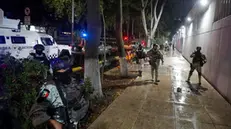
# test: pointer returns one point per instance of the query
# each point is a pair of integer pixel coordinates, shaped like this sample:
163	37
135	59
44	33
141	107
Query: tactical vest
41	58
197	58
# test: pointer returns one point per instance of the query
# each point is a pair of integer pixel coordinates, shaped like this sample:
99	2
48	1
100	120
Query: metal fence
223	9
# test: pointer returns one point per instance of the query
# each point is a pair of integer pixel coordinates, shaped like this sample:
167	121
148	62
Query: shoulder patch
45	93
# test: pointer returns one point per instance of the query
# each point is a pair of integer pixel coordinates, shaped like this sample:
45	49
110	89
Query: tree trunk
104	42
128	27
154	19
144	21
119	40
149	41
133	27
91	63
157	19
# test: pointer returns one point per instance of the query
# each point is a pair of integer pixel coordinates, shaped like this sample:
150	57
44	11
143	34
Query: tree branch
144	4
158	19
161	10
144	21
151	15
143	15
155	10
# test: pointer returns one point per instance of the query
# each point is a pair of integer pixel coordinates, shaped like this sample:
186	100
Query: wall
215	40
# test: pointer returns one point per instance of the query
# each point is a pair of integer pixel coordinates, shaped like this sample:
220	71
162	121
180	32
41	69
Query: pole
72	22
104	43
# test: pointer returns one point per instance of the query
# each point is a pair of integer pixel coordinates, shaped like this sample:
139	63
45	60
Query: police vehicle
19	43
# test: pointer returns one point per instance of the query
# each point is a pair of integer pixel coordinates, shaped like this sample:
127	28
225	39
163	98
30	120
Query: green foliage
63	8
87	88
22	79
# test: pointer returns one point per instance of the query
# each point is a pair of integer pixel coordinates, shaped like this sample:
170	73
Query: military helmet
198	48
39	47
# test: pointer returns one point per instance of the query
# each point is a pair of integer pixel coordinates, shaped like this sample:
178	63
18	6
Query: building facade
209	26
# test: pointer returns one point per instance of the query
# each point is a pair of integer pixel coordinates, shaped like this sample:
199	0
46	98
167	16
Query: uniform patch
45	93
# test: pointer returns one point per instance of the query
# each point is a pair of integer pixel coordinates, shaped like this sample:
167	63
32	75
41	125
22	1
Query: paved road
149	106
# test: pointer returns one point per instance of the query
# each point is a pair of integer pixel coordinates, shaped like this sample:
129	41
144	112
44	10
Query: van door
51	48
20	48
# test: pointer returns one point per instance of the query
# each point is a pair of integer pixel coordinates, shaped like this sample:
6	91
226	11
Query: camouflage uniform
155	57
198	61
56	110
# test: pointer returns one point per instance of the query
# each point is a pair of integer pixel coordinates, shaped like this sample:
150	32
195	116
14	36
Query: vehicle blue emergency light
84	34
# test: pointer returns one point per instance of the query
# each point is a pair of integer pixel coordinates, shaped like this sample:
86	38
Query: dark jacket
198	57
41	58
140	53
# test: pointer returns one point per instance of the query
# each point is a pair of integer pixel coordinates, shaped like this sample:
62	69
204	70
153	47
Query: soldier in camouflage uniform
198	61
155	56
50	106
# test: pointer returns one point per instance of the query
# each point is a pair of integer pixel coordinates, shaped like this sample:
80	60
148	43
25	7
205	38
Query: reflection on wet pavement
173	104
195	107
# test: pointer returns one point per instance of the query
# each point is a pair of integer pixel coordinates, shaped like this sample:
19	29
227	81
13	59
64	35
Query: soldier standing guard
155	56
198	61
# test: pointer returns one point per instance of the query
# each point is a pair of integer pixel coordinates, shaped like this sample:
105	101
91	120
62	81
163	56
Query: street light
204	2
189	19
72	21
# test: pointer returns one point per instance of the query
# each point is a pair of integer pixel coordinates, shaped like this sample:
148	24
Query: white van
20	43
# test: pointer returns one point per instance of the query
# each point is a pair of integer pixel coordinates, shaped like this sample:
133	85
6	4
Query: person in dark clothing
155	57
60	101
198	61
140	55
39	55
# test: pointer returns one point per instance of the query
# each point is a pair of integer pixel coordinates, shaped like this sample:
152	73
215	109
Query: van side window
2	40
46	41
18	40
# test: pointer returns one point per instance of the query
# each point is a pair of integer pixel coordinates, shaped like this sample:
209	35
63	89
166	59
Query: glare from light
204	2
84	34
189	19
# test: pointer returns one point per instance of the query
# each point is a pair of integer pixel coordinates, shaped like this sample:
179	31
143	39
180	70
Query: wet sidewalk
173	104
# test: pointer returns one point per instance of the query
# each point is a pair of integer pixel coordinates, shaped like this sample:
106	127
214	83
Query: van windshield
46	41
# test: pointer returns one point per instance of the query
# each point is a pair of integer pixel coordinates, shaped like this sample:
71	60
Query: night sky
174	13
15	9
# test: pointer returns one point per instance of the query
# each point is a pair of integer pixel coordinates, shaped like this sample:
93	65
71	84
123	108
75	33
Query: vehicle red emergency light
125	38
